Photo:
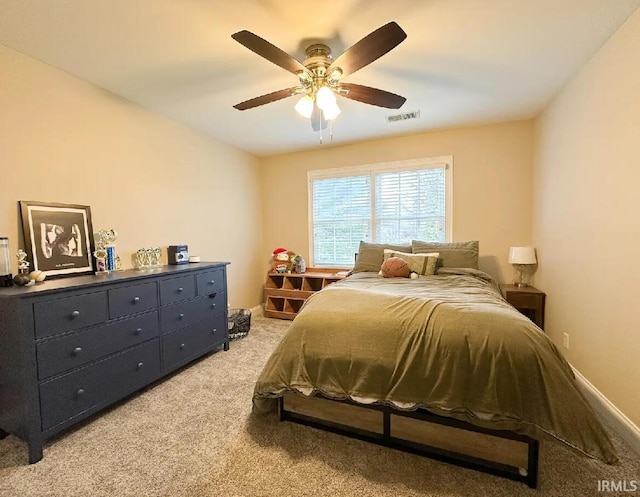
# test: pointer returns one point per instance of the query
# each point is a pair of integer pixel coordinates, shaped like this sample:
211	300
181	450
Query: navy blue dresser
70	347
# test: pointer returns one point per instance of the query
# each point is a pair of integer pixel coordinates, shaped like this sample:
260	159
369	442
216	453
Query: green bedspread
448	343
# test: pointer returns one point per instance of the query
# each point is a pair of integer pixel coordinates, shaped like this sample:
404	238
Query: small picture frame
58	238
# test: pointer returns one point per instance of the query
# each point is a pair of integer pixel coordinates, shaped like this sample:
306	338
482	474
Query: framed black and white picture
58	238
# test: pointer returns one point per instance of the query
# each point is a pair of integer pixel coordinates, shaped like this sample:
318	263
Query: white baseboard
629	432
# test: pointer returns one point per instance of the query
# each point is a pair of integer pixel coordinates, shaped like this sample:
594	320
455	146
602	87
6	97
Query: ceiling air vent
415	114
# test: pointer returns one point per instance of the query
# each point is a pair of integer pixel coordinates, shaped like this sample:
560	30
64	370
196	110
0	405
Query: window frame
440	162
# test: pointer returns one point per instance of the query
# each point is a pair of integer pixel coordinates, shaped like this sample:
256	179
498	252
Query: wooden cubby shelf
285	293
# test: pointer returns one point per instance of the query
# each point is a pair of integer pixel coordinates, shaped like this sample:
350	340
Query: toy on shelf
281	260
299	264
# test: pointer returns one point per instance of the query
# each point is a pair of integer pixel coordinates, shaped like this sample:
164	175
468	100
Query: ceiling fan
320	77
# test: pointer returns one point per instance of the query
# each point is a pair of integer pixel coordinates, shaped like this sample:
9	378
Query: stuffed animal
299	264
282	260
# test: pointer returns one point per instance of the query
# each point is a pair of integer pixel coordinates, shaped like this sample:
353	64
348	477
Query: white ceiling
464	62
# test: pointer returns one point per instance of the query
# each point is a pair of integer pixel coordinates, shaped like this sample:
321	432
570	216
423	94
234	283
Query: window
382	203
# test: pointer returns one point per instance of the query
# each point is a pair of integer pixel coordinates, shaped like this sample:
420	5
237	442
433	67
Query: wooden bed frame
502	453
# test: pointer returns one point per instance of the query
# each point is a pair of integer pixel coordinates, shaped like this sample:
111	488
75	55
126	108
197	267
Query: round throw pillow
394	267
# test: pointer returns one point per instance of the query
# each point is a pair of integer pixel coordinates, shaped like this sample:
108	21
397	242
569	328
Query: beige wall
156	182
585	218
491	186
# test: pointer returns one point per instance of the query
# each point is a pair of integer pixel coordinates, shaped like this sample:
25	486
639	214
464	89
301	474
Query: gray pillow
371	256
453	254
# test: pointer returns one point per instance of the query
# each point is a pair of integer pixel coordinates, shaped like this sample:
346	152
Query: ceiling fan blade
266	99
270	52
372	96
369	48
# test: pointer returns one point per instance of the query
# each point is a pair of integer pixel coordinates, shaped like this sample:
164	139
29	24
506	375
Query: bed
379	357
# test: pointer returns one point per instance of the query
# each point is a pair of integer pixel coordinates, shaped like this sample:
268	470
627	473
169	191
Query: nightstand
528	300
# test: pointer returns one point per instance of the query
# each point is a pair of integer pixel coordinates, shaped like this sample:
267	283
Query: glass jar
6	278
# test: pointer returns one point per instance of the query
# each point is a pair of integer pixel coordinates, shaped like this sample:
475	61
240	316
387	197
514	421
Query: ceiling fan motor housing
318	60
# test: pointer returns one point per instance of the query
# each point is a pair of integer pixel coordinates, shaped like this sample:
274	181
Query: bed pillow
423	264
371	256
454	254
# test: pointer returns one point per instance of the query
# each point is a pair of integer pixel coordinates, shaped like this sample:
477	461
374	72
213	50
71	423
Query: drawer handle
79	393
77	350
180	290
180	316
212	282
182	346
213	306
138	331
215	329
140	364
75	314
136	299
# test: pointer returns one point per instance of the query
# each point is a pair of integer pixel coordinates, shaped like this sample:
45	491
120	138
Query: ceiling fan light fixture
331	111
325	98
320	76
335	75
304	107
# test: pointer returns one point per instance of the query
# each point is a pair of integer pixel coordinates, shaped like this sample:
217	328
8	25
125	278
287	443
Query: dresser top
77	282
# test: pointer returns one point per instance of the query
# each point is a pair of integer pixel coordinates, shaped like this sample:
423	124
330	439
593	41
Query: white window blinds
383	203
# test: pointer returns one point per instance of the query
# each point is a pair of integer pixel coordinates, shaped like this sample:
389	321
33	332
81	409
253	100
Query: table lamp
524	261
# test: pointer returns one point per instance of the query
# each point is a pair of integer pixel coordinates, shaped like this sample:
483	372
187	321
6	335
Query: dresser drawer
69	313
184	345
177	289
132	299
210	281
181	315
71	351
99	384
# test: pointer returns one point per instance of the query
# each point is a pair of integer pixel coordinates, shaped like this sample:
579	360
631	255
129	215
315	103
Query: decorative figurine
147	258
141	259
22	278
156	257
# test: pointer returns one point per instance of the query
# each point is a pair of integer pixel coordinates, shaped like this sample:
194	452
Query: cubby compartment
328	281
286	292
313	283
274	281
293	282
293	305
275	304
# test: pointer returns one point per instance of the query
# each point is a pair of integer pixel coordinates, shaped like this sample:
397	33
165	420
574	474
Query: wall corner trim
629	432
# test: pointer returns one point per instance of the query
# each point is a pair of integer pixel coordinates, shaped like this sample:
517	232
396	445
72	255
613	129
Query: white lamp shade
304	107
325	98
522	255
331	111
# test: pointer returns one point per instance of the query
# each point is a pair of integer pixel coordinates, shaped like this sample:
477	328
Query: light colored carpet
193	434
